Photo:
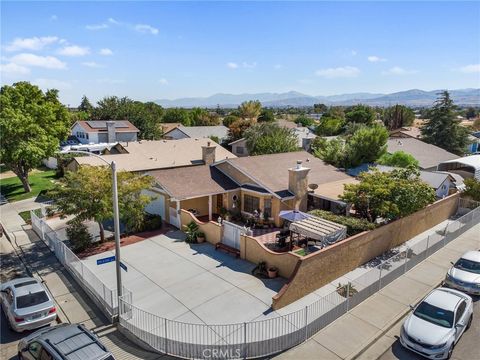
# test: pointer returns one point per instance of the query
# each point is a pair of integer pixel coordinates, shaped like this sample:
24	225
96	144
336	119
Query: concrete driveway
190	283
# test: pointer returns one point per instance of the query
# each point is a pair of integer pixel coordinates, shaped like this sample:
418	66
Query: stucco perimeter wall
255	252
212	230
324	266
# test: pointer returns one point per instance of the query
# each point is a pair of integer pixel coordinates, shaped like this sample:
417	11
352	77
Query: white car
437	323
464	275
27	304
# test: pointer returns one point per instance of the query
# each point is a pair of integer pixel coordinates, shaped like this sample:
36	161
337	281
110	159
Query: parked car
437	323
27	304
63	342
464	275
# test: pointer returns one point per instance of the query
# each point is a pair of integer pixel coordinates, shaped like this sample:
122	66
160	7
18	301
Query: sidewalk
73	304
365	331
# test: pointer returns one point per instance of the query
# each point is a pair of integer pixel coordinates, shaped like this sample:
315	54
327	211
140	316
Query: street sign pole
116	223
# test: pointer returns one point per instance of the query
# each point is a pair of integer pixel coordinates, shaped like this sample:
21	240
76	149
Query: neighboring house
473	146
413	132
304	135
197	132
166	127
264	183
466	167
104	131
428	155
441	182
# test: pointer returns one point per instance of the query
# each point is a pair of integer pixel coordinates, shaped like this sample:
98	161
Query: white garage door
157	206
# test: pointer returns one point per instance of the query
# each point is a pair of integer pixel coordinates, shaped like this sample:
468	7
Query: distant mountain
412	97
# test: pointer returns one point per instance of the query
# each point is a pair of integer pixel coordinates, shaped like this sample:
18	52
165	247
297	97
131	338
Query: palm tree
250	110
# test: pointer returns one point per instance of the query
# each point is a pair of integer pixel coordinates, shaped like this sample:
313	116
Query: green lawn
40	181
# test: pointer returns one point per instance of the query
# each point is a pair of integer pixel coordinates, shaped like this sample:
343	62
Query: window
32	299
86	135
267	208
239	150
460	311
34	349
250	203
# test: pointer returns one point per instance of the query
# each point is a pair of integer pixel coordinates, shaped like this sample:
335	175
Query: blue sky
153	50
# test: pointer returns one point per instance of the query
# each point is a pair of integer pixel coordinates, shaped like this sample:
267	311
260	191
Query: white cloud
113	21
247	65
74	50
48	62
52	84
53	18
92	64
14	69
34	43
397	70
232	65
277	66
470	69
338	72
163	81
353	52
105	52
96	27
144	28
374	59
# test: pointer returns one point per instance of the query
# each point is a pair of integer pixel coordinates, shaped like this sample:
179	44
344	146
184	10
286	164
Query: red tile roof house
104	131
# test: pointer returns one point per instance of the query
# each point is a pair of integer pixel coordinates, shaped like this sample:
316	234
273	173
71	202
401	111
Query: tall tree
470	113
398	116
250	110
32	124
442	128
398	159
177	115
330	126
266	115
389	195
303	120
319	108
361	114
87	194
366	145
237	128
269	138
331	151
86	106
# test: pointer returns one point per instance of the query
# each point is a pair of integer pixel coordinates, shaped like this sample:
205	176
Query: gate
231	234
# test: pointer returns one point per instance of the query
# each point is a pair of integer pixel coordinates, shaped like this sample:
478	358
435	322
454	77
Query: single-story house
146	155
428	155
473	146
265	184
166	127
239	147
197	132
104	131
406	132
467	166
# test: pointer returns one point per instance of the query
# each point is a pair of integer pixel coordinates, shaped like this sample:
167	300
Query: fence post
306	323
166	335
245	340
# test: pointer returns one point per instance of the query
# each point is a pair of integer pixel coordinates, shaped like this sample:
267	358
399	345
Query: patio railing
276	334
100	293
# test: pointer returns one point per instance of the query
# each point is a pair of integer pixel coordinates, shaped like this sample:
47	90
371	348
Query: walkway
363	332
28	254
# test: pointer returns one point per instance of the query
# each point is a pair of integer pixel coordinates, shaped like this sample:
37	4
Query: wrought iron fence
278	333
105	297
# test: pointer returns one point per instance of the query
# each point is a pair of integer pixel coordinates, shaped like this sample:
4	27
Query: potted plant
342	290
200	237
191	230
272	272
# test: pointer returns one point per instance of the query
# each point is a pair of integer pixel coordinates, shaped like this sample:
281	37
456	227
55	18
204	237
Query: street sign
105	260
123	266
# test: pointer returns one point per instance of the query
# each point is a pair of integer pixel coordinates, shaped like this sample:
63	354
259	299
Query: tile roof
101	126
149	154
428	155
433	178
194	181
271	171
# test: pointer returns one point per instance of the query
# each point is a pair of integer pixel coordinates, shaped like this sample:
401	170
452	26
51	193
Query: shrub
79	237
192	233
152	222
354	225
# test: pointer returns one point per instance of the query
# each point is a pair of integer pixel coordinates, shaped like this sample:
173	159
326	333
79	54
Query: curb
390	325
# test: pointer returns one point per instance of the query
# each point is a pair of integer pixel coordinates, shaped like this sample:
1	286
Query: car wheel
450	352
469	323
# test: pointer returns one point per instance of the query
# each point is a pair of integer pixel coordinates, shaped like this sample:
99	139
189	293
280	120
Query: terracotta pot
272	272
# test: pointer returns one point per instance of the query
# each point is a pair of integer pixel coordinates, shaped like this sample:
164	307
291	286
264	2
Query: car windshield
434	314
31	299
468	265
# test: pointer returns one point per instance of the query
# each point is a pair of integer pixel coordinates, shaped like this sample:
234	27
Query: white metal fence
100	293
270	336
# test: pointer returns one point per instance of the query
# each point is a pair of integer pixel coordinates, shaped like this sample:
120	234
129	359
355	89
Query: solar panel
101	124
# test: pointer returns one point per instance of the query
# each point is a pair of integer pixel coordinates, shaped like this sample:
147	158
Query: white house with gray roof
197	132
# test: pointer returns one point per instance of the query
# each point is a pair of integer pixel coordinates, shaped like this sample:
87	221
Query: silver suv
63	342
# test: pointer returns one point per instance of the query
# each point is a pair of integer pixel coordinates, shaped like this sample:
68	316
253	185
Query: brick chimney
208	153
111	133
298	185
